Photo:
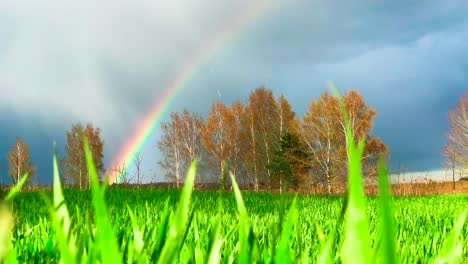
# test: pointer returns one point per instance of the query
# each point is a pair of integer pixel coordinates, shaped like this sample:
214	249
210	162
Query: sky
107	62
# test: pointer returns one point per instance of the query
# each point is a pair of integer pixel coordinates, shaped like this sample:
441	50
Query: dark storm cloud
408	62
326	31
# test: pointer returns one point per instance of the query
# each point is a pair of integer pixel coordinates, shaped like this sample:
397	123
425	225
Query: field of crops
422	223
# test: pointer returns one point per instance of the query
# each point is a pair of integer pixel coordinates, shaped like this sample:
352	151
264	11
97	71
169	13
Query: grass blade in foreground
244	224
283	252
106	242
7	251
356	246
388	242
15	190
61	219
179	225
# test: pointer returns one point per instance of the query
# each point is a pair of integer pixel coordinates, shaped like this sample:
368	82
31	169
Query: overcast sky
106	62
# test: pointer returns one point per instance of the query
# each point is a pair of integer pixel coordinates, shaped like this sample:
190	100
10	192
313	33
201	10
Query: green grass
422	224
172	226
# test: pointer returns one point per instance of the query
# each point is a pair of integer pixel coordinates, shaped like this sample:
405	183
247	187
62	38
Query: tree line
261	141
73	167
266	145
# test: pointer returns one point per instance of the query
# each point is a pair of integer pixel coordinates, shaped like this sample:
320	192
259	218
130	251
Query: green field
422	223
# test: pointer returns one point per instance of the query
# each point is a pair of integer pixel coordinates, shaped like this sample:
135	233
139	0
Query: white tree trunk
18	169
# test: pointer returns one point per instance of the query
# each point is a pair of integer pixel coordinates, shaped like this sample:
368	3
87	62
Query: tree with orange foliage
259	125
96	146
456	148
74	162
361	117
249	145
19	162
323	131
237	111
286	116
319	131
218	136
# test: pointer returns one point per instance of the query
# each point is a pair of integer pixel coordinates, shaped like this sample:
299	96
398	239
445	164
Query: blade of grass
138	242
388	241
216	242
161	233
452	249
7	252
6	225
178	226
106	241
59	201
325	254
356	245
244	223
61	218
15	190
283	251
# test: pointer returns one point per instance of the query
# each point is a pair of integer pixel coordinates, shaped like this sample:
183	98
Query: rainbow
152	118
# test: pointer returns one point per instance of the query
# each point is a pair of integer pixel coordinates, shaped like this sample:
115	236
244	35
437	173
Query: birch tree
218	135
180	143
74	162
19	162
265	123
237	111
169	146
190	137
458	131
323	131
456	148
249	141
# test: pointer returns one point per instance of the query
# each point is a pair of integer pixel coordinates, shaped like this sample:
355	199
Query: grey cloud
328	31
66	57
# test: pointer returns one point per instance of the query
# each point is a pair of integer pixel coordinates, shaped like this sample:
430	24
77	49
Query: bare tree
456	148
169	146
180	143
122	174
452	159
137	160
190	140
